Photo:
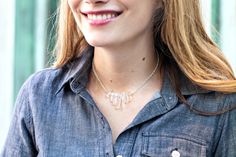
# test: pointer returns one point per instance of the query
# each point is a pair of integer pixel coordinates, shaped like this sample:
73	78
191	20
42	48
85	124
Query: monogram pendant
119	100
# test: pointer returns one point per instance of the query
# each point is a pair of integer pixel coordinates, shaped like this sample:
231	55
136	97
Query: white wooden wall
6	65
228	27
228	30
206	14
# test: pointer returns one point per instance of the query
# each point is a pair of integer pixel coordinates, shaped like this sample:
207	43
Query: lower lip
100	22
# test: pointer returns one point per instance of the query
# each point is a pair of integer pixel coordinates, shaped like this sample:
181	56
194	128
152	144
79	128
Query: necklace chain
120	99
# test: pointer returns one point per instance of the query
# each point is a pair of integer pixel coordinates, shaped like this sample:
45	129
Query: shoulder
45	81
214	101
39	89
230	101
231	97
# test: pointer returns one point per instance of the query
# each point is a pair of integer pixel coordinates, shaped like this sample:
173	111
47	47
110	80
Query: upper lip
101	12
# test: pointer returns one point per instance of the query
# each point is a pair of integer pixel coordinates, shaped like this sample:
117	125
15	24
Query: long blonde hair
180	38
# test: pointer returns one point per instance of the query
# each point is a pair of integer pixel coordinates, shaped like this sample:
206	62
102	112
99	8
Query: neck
126	67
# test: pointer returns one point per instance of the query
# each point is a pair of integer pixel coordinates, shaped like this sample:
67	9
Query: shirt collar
78	71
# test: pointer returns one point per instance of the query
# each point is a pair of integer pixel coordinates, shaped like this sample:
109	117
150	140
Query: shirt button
119	156
175	153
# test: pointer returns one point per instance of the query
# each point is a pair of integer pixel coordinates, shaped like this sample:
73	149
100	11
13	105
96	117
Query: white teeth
101	16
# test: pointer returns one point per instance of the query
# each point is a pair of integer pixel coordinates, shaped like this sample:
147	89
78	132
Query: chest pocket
172	146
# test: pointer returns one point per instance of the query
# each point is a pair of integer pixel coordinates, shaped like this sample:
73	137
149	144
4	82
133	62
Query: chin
99	43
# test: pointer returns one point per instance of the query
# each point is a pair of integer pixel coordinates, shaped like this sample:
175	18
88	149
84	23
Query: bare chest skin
120	119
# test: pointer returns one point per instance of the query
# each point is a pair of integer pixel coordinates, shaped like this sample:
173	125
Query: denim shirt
56	117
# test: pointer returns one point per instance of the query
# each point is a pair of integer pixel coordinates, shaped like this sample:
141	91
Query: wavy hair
179	37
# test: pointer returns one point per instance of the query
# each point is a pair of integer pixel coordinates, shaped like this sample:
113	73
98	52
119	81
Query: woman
131	79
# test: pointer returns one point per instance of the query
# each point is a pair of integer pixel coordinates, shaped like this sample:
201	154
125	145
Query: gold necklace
120	99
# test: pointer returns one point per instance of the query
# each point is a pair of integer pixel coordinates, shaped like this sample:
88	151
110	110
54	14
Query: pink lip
100	22
100	12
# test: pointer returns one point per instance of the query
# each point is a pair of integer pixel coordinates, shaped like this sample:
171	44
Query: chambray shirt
56	117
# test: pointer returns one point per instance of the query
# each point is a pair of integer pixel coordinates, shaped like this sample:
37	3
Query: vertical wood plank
24	42
216	21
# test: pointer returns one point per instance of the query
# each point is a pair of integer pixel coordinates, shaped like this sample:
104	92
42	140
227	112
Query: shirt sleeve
20	141
227	143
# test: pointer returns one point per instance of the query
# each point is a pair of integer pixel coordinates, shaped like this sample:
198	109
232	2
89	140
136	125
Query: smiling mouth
101	15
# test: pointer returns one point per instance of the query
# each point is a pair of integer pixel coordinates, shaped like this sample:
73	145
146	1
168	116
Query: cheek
74	4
